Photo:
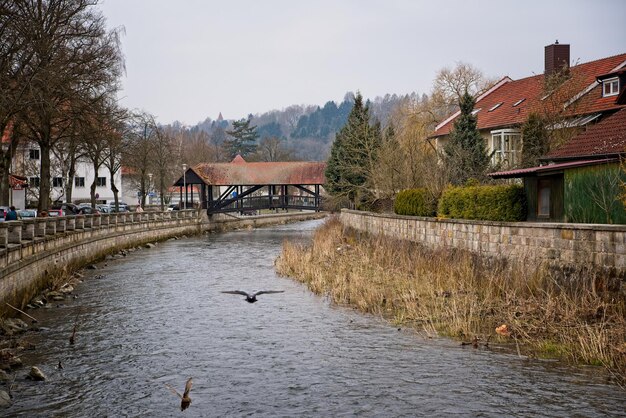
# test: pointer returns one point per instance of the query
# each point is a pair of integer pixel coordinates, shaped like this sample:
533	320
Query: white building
27	162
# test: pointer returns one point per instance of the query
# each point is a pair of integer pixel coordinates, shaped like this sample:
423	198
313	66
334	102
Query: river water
158	317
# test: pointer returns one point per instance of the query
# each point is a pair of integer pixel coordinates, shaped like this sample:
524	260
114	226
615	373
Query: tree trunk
113	186
44	176
5	166
92	193
69	186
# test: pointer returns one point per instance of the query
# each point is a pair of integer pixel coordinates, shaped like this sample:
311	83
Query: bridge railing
24	231
268	202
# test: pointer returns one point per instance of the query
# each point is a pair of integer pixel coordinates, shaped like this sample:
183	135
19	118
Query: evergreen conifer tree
353	155
242	139
466	152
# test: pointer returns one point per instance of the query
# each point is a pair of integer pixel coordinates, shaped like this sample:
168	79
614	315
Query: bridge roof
242	173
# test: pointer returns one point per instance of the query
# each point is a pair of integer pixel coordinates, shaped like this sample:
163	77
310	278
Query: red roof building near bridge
242	173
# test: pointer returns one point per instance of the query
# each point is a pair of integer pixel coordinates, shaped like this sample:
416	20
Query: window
101	181
476	111
57	181
33	154
33	181
610	87
506	145
517	103
79	182
543	198
496	106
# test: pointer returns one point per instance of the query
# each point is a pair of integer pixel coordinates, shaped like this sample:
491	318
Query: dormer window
610	87
495	106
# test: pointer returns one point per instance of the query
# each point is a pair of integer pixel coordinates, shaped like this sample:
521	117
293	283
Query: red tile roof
607	137
526	172
241	173
531	90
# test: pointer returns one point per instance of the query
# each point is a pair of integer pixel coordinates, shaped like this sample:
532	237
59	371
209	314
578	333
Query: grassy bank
453	293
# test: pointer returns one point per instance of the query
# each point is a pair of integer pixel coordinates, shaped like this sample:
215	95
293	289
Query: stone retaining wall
32	249
601	246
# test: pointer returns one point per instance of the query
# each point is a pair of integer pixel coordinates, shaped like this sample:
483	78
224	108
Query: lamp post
185	184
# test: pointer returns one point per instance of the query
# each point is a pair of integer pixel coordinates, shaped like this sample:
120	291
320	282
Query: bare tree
272	149
17	69
79	63
450	85
139	153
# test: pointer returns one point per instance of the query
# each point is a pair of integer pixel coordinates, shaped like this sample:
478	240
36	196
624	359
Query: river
158	317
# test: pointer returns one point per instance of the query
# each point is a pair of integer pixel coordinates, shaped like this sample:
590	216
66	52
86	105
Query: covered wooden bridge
244	187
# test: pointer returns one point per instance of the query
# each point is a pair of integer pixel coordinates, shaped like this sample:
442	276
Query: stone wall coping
542	225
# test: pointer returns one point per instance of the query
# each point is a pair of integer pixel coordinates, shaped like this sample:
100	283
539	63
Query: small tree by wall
535	140
465	154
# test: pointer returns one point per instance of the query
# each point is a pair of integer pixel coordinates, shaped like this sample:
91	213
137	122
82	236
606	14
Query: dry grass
457	294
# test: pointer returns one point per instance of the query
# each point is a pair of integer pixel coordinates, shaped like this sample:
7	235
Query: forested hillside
302	132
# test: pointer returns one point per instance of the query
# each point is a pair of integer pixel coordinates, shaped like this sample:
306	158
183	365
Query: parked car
27	213
123	207
3	212
173	206
63	209
104	208
88	210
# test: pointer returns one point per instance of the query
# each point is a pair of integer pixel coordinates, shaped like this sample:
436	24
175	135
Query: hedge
487	203
415	202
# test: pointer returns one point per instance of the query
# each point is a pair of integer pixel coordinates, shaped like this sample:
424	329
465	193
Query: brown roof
508	92
607	137
241	173
527	172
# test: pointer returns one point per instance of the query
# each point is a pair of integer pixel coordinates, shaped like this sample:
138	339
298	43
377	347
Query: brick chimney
556	57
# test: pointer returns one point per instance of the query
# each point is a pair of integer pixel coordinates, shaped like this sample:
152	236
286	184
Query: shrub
415	202
487	203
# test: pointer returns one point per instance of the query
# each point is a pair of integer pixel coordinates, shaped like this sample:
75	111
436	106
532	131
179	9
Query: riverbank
545	313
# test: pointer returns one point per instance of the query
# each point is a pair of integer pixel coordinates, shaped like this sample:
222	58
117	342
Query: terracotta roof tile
531	89
606	137
261	173
526	172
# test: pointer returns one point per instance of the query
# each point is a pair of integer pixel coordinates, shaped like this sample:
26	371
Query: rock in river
36	374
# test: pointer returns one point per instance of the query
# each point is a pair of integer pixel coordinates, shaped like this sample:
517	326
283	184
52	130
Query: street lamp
185	184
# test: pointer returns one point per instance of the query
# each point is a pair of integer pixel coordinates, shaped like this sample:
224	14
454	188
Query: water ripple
158	317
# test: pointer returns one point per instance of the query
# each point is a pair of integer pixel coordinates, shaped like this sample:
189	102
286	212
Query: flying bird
251	298
185	399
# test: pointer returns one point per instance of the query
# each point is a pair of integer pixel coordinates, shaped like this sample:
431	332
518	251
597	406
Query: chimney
556	57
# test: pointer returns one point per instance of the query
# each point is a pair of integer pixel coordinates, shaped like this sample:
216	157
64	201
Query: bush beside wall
415	202
488	203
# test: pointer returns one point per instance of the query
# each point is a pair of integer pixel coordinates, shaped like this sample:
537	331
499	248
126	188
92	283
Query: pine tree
534	140
353	155
242	139
466	152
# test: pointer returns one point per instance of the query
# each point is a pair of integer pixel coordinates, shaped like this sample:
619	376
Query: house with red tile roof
594	91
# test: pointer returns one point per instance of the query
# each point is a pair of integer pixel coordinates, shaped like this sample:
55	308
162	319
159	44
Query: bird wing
174	391
260	292
187	388
236	292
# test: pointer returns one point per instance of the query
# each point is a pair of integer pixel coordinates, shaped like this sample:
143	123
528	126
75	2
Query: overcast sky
188	60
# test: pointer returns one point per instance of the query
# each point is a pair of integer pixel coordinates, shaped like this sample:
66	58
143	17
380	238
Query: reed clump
573	316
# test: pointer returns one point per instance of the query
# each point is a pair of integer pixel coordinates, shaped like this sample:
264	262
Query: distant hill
308	130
